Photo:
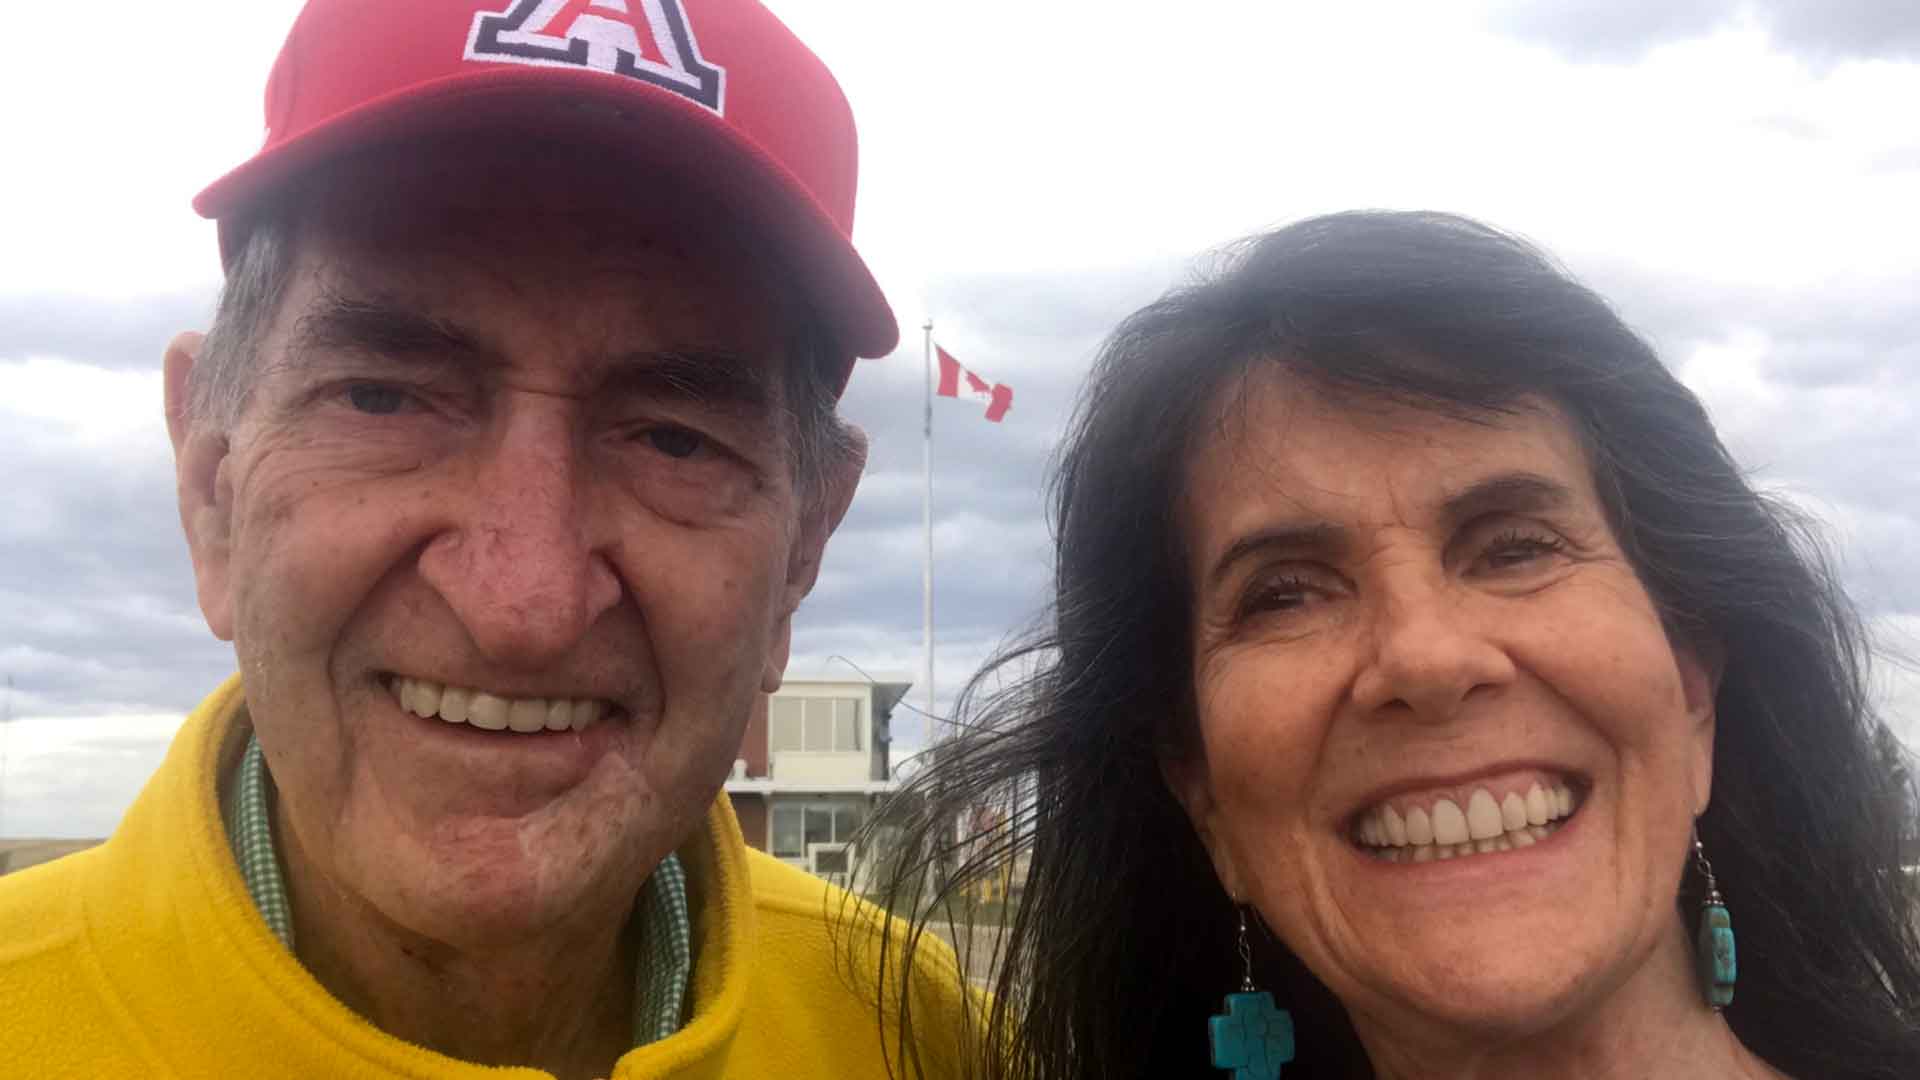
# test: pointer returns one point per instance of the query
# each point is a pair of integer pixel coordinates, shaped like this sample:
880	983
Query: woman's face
1446	748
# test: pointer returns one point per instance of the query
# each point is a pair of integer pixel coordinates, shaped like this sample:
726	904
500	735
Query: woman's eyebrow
1516	492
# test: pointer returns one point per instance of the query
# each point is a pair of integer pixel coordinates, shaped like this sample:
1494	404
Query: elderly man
507	460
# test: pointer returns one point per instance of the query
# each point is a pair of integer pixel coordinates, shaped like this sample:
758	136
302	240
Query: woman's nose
1430	652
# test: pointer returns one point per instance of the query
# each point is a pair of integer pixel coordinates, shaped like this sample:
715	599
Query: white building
812	766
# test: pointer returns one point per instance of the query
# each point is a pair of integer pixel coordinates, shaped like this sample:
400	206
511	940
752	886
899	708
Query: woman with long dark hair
1421	661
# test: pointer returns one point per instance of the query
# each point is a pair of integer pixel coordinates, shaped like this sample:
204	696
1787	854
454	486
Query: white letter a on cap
649	40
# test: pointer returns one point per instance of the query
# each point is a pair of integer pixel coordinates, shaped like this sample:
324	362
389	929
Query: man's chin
449	777
492	882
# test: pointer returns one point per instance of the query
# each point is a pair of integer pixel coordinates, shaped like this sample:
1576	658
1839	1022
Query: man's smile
495	712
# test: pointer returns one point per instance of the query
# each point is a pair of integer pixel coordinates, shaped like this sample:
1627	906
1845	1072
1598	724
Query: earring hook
1706	869
1246	953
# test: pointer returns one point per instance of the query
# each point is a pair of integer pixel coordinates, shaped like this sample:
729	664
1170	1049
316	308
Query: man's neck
563	1003
1654	1025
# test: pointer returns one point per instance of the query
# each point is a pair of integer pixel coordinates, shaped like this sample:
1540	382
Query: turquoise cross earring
1252	1038
1713	945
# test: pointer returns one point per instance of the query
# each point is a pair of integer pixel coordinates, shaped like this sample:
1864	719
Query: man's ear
205	490
822	515
1187	777
818	518
1700	664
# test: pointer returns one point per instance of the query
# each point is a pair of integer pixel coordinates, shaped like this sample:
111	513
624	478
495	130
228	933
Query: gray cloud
1817	391
1034	332
119	333
1608	30
97	610
1843	29
1823	31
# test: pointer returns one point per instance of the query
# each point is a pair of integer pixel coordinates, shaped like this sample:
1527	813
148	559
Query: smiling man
505	464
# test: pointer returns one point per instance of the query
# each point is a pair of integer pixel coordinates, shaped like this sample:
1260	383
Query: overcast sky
1741	178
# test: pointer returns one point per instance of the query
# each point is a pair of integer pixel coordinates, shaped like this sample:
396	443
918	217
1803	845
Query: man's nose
522	563
1431	651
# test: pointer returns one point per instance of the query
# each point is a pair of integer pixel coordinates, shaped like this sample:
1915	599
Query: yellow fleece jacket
146	957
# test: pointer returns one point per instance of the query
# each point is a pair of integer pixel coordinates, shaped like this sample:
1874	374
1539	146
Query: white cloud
1083	135
90	409
141	106
74	777
1896	682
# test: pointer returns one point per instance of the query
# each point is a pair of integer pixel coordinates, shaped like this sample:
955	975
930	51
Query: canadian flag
958	382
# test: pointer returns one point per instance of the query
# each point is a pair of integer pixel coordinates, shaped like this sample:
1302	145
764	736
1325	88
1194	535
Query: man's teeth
1443	830
460	705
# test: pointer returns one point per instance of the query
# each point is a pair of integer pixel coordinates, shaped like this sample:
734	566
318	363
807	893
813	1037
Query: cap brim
637	120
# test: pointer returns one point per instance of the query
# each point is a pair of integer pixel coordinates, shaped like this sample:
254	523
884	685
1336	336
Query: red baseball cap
719	89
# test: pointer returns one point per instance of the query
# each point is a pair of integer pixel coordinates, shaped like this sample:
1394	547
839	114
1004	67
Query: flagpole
926	515
6	721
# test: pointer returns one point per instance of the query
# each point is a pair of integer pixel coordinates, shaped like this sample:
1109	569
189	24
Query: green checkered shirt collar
662	971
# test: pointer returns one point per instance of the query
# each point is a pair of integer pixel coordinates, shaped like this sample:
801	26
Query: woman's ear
1186	775
1700	665
204	487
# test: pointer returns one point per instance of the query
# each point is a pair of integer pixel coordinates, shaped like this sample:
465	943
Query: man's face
519	441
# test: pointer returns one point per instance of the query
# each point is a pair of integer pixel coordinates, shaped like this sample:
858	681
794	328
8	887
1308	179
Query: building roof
764	786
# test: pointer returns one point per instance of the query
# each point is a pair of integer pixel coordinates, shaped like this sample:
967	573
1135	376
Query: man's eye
675	442
375	399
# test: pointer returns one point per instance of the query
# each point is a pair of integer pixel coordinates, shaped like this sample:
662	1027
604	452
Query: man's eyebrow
371	325
711	376
1516	492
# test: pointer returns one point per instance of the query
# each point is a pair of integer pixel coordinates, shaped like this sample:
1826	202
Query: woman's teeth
1442	830
490	712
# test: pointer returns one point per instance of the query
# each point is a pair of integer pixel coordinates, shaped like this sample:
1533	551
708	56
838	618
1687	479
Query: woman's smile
1511	811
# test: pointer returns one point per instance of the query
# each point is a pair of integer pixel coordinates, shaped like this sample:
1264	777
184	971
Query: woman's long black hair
1123	944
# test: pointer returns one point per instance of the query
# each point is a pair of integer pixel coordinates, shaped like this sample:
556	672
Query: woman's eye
675	442
1517	549
1275	594
375	399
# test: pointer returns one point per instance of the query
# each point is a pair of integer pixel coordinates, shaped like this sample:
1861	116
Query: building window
786	832
813	724
797	824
